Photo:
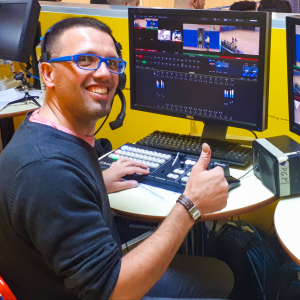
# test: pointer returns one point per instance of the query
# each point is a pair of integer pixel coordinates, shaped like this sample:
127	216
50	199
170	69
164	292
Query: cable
245	174
101	125
253	133
27	72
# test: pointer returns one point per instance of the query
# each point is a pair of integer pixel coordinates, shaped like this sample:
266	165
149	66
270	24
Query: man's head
243	6
122	2
189	4
275	6
79	94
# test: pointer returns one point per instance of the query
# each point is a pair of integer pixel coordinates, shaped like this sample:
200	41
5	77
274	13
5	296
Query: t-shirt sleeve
54	206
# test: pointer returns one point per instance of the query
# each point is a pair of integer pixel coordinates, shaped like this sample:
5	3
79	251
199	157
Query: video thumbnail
164	35
216	38
297	30
176	36
146	23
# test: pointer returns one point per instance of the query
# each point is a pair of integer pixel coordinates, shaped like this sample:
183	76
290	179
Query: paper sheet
161	195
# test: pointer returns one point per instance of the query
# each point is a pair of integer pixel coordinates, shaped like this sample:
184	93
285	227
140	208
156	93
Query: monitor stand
219	132
214	131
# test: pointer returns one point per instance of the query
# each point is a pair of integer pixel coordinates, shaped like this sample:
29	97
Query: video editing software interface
295	56
203	65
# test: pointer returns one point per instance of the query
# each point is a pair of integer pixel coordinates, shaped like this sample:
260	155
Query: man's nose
102	71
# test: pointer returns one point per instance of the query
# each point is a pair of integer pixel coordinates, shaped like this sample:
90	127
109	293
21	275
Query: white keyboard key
184	179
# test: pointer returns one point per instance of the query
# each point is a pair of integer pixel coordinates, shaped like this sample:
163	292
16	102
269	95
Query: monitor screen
211	66
293	64
18	23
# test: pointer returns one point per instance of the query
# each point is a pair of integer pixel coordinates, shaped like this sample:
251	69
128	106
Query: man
275	6
57	236
191	4
243	6
207	40
122	2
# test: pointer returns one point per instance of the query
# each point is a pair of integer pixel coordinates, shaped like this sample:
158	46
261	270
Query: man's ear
46	70
125	3
194	3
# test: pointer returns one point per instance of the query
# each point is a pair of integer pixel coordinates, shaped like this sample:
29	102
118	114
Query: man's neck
53	113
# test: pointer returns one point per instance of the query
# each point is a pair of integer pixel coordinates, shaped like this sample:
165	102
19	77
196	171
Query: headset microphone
118	122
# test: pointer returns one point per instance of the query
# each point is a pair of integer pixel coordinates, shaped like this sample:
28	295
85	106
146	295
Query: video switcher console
168	170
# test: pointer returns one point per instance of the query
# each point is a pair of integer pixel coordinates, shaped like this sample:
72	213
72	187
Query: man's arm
143	266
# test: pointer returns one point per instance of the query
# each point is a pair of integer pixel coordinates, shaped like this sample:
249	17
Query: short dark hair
243	5
275	6
52	35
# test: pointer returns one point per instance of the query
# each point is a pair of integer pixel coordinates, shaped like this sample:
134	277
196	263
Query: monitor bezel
265	19
291	22
26	41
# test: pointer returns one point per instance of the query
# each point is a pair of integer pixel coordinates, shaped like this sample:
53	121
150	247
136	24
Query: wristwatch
188	204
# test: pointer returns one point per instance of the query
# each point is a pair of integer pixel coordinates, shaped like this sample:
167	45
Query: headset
118	122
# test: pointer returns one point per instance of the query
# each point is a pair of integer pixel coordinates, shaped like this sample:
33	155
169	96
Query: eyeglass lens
90	62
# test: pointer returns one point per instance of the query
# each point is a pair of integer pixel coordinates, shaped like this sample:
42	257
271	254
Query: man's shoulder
33	143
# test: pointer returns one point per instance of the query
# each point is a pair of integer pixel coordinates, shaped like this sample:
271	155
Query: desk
286	220
6	118
139	204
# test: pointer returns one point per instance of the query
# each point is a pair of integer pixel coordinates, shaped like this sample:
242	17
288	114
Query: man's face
84	95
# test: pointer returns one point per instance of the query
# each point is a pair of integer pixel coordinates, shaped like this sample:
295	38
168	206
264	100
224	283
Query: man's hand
208	190
123	166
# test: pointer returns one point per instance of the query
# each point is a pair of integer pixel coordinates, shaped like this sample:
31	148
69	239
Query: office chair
5	292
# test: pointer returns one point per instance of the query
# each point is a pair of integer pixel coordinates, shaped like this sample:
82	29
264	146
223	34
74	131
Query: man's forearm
143	266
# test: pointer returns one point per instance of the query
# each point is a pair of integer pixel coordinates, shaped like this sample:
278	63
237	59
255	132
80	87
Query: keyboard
168	169
225	151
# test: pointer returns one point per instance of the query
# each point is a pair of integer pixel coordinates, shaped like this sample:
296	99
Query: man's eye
85	60
113	64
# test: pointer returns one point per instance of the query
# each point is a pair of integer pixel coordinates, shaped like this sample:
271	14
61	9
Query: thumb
204	157
126	184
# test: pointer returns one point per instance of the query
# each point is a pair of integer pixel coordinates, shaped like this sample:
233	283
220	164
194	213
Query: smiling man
57	236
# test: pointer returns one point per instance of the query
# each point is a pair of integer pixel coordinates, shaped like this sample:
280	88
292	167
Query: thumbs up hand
208	190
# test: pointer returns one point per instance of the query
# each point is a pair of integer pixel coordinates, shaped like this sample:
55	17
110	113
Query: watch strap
188	204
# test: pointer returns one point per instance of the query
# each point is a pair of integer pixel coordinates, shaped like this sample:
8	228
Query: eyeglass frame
76	58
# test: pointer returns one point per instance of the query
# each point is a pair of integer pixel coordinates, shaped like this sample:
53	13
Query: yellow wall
139	124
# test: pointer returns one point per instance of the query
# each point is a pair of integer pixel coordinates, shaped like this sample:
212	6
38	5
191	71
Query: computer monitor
211	66
293	64
18	25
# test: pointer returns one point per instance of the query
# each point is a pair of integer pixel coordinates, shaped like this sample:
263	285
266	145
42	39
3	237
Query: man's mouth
98	90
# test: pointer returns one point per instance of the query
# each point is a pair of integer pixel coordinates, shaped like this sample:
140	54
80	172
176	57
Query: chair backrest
5	291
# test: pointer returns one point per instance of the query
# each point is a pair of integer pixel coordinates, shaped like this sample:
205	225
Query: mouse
233	182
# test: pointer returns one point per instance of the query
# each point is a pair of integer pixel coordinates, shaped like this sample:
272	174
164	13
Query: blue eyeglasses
93	62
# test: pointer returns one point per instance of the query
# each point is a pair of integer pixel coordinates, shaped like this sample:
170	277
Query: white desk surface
286	220
18	109
140	204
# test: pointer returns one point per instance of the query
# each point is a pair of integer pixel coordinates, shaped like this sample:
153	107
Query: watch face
195	213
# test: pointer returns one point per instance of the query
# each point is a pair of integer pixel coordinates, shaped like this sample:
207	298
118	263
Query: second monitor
211	66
